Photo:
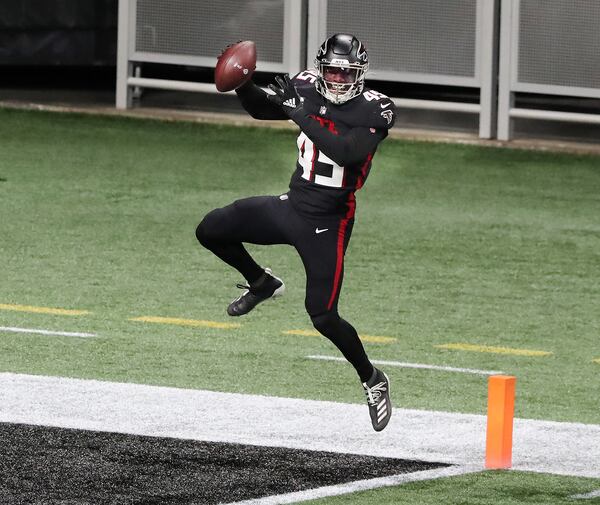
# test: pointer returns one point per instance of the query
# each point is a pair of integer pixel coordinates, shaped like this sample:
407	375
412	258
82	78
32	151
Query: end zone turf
44	464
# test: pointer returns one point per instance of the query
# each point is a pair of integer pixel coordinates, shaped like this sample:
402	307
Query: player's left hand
285	95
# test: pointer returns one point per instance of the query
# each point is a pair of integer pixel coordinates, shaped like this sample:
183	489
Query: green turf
489	488
452	244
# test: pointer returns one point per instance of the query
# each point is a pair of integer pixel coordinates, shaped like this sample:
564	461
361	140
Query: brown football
235	65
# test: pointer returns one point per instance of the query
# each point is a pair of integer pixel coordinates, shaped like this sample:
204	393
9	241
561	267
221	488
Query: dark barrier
58	32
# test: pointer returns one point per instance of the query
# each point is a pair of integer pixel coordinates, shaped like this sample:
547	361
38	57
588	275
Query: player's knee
202	233
206	231
326	323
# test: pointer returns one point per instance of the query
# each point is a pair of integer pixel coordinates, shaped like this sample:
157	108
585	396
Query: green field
501	487
452	244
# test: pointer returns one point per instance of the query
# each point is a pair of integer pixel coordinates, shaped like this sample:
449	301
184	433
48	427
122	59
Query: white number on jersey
307	75
373	95
309	155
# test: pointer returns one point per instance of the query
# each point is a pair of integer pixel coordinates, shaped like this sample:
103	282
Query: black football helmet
341	64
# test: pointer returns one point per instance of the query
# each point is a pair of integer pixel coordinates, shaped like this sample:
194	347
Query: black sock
236	256
258	283
345	338
372	379
360	361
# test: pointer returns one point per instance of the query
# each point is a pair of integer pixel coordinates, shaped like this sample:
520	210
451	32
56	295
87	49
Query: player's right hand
285	95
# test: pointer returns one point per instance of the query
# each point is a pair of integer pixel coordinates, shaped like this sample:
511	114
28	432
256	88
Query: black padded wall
58	32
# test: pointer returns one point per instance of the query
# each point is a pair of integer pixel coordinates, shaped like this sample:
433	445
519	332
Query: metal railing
192	33
549	47
450	43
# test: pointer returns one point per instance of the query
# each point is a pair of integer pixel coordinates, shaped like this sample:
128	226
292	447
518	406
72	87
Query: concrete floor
411	123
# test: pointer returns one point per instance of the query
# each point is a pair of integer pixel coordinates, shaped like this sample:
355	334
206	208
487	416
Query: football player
341	124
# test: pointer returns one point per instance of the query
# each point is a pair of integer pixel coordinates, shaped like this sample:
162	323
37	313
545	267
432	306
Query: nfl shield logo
323	110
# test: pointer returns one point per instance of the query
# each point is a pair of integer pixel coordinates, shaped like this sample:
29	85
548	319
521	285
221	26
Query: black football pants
321	244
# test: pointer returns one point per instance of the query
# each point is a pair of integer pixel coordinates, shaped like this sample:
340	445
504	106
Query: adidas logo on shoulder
290	102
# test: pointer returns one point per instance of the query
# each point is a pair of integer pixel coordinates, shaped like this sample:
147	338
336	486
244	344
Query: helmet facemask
339	80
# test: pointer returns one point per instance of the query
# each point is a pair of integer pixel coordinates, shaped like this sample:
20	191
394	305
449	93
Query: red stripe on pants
340	261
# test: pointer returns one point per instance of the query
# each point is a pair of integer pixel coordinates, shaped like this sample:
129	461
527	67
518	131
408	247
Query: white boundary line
586	496
445	437
47	332
413	365
359	485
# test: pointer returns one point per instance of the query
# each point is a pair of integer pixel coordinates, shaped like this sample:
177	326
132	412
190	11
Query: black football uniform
336	146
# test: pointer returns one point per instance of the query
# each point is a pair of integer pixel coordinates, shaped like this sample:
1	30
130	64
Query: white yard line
47	332
358	485
586	496
413	365
459	439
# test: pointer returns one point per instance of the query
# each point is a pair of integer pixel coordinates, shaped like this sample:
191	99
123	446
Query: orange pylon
501	408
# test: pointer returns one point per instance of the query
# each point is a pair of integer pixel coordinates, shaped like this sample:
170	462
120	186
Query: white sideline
358	485
539	446
46	332
586	496
401	364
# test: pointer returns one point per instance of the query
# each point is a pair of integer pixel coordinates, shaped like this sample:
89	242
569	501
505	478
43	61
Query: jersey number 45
316	167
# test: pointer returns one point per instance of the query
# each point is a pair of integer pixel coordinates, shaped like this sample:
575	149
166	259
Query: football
235	65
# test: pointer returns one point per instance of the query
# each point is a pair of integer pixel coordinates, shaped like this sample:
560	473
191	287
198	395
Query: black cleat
269	287
377	391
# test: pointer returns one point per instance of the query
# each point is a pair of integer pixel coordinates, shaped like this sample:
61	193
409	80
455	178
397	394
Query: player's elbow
254	114
257	113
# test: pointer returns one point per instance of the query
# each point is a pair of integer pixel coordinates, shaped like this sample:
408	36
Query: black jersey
336	143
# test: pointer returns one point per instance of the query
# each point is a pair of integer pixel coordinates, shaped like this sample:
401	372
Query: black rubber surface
42	465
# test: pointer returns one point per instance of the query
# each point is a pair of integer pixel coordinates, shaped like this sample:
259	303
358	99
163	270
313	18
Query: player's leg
323	258
257	220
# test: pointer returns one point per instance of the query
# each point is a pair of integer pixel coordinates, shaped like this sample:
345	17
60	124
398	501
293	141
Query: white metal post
124	67
292	33
317	29
488	67
505	94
